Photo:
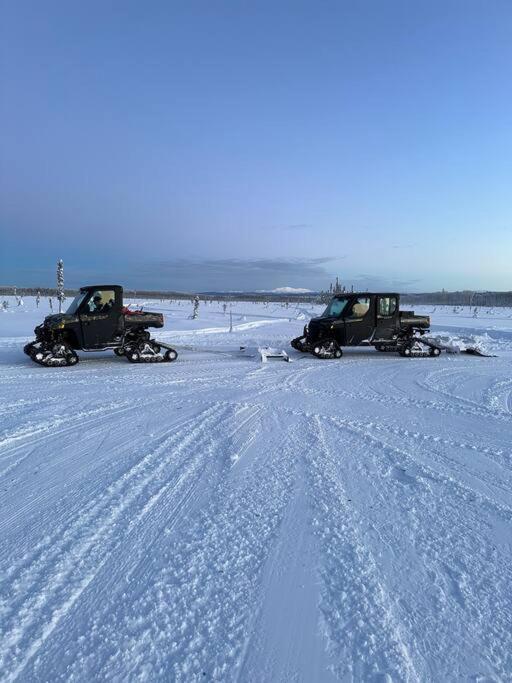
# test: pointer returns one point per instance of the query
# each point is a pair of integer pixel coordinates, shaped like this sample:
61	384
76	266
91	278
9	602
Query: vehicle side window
101	301
360	307
387	306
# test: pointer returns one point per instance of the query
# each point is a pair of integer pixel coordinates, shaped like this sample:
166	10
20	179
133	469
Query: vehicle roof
87	287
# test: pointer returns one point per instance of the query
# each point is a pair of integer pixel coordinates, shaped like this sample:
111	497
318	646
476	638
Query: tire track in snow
194	614
413	439
103	497
52	426
471	409
444	475
500	456
361	428
48	429
158	517
26	404
498	396
432	383
461	590
43	434
50	584
248	418
286	639
365	636
73	424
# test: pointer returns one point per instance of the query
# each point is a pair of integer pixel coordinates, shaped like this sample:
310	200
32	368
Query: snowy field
220	519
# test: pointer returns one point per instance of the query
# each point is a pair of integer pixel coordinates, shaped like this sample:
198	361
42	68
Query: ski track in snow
217	519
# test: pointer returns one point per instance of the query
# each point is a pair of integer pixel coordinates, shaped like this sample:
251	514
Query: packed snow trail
220	519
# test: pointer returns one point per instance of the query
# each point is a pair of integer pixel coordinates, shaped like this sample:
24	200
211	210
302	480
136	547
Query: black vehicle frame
97	320
366	319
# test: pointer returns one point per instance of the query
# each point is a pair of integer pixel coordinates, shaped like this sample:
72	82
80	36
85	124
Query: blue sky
236	145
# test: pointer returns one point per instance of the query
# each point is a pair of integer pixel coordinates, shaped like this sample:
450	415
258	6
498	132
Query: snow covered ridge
285	290
221	519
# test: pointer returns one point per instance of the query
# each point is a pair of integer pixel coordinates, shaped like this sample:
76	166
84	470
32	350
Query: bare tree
61	297
195	312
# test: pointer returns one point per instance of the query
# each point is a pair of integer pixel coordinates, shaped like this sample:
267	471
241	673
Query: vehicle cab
355	319
98	314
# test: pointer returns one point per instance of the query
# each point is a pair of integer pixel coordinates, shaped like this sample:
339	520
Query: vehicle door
387	314
100	319
359	320
335	318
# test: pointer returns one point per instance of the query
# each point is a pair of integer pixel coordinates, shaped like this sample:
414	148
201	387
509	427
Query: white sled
265	352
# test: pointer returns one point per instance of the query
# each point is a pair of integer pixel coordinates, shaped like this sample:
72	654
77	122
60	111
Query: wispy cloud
190	275
235	273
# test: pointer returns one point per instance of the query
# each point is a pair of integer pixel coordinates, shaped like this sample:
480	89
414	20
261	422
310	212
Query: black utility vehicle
96	320
365	319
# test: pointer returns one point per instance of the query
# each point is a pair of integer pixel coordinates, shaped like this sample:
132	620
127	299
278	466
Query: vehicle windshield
75	304
335	308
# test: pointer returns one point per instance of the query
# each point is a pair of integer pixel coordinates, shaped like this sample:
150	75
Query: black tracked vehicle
97	320
366	319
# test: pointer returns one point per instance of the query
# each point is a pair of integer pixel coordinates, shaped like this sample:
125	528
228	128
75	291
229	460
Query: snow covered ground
220	519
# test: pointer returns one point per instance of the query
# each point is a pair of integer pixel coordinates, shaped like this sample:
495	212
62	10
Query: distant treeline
184	296
464	298
442	298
